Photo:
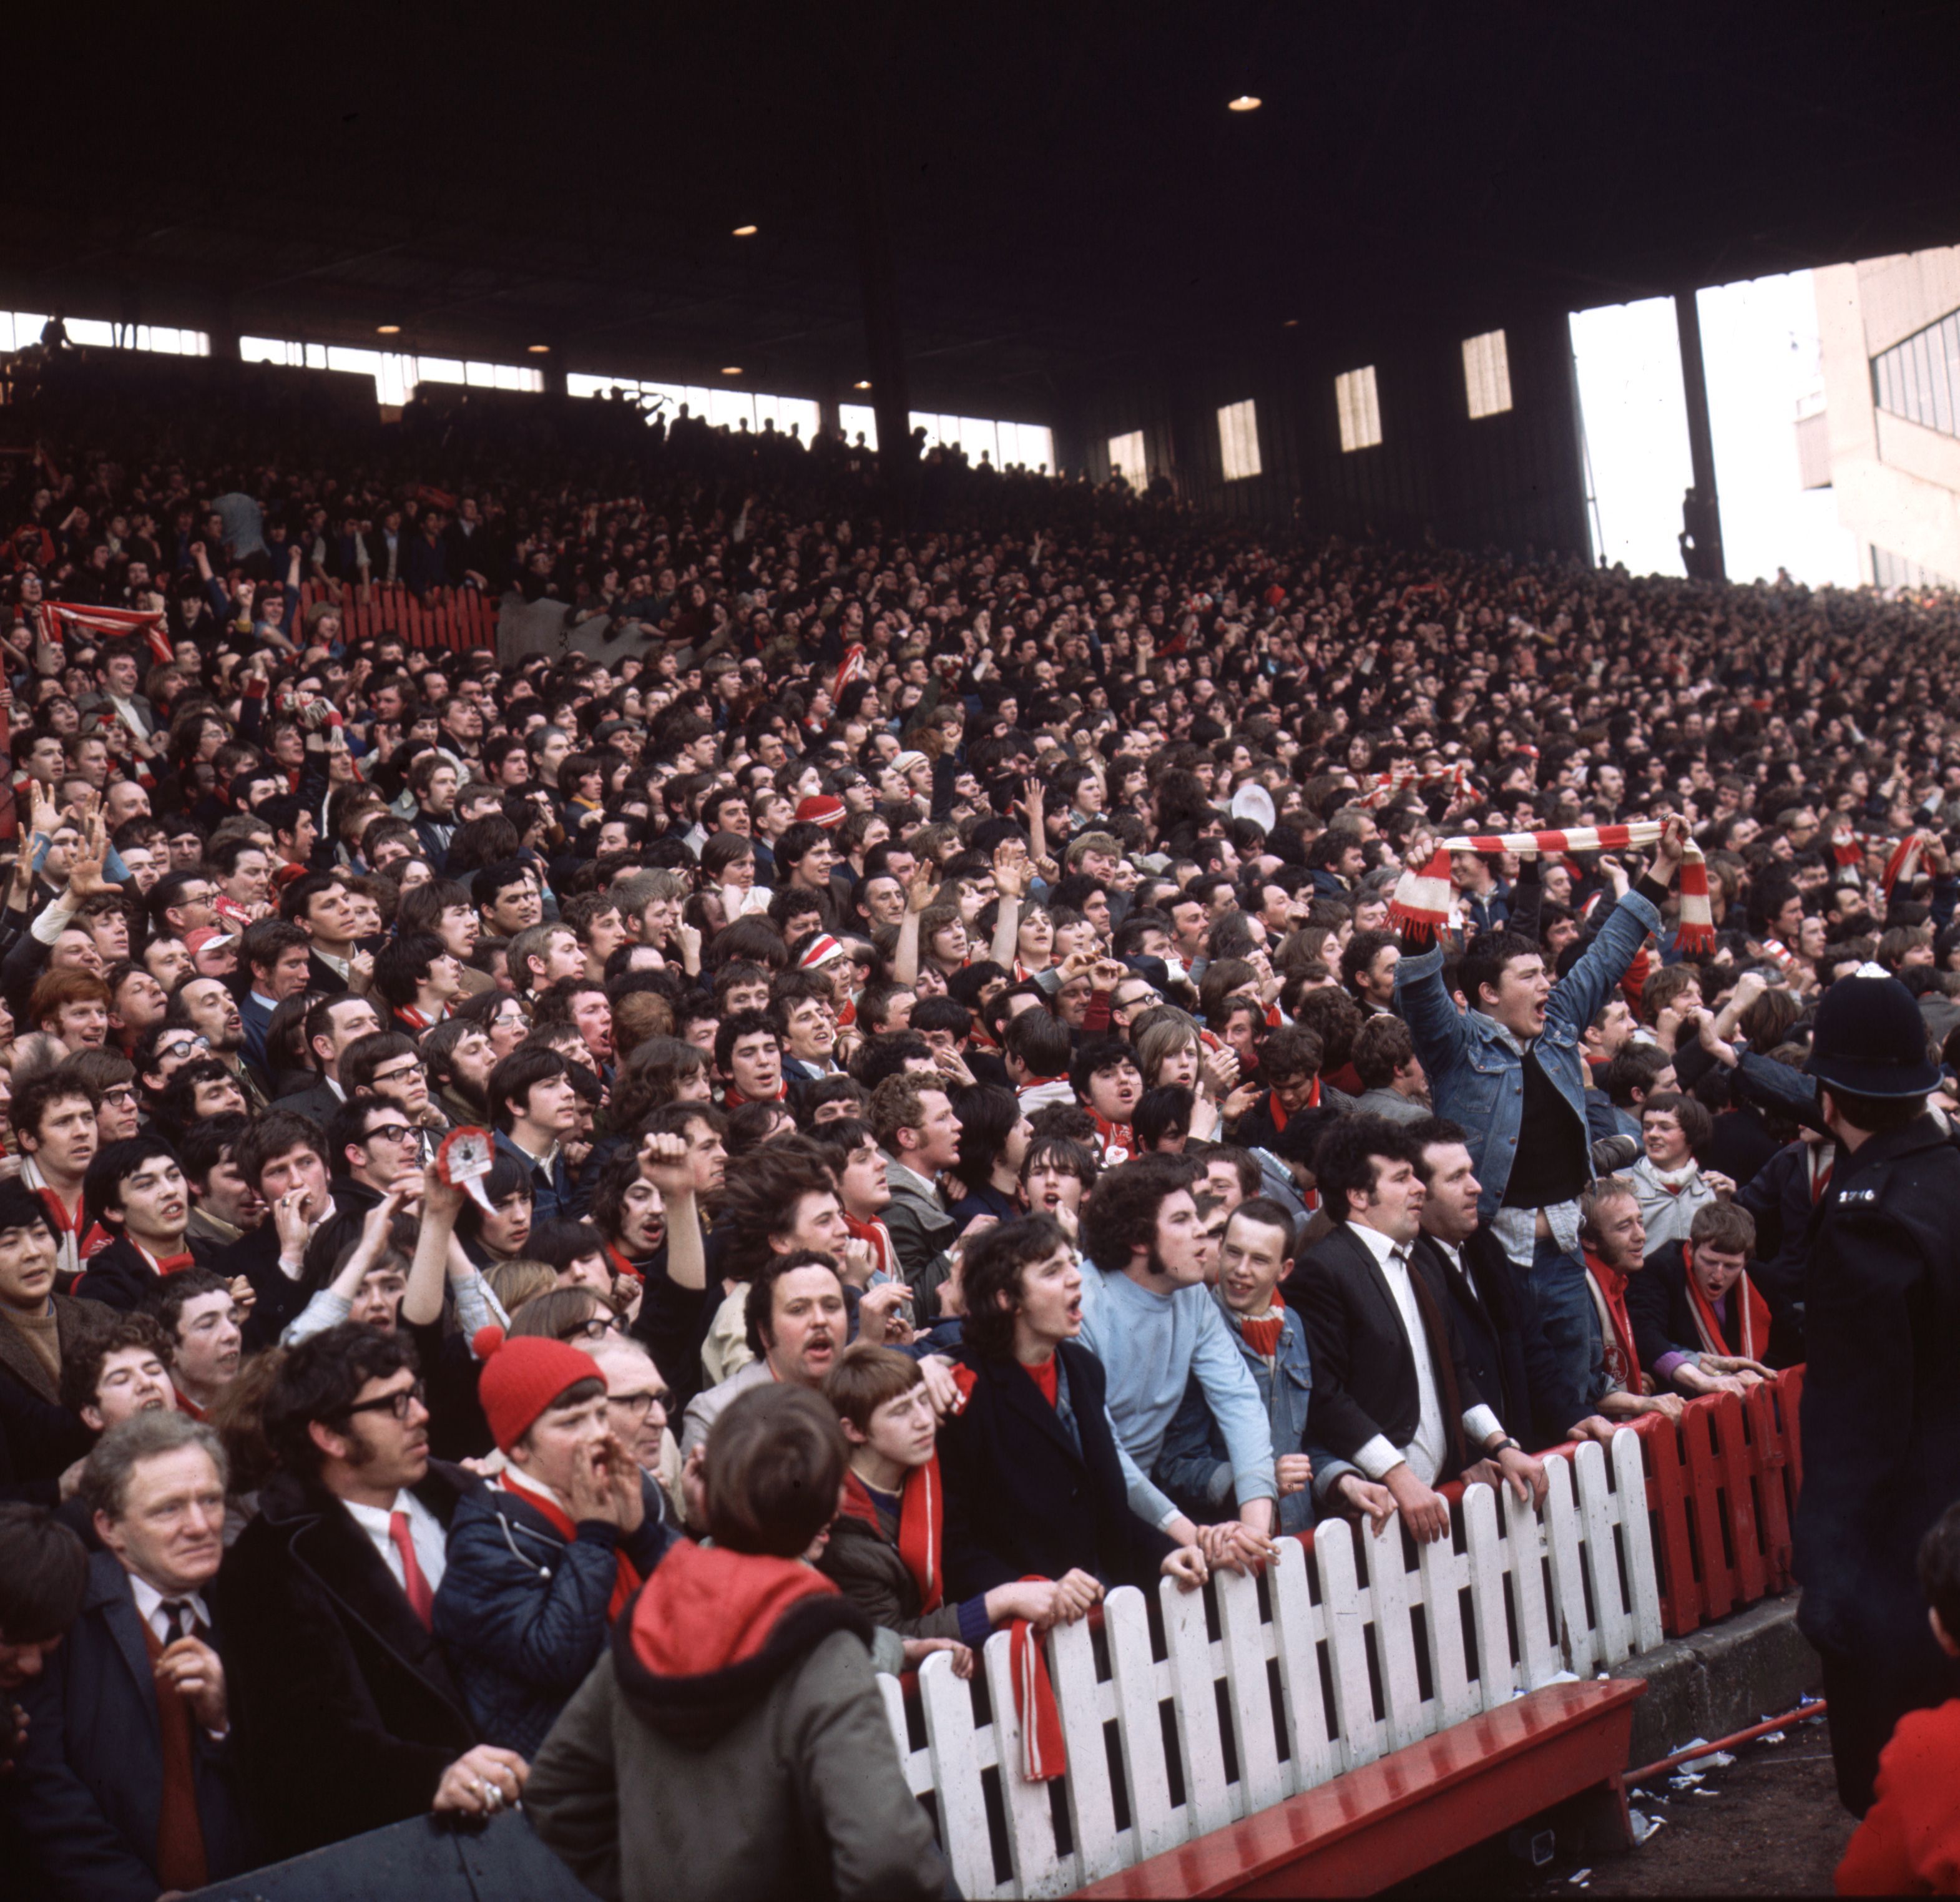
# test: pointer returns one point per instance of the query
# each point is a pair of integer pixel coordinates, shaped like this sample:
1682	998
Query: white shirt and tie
425	1531
1425	1453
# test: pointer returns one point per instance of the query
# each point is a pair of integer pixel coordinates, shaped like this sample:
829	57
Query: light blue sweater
1149	1346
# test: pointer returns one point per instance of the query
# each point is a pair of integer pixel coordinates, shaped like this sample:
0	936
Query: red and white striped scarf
1384	787
63	618
1422	900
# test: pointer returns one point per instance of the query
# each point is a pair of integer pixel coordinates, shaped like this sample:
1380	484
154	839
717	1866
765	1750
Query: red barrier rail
459	619
1722	1488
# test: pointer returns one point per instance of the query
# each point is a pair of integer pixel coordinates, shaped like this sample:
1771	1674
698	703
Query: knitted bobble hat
523	1375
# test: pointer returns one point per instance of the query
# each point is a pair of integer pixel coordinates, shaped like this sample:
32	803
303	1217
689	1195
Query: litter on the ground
1684	1779
1721	1760
1579	1876
1708	1792
1771	1737
1644	1826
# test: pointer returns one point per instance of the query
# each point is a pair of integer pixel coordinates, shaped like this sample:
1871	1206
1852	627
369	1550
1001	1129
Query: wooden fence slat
1248	1692
1483	1550
1770	1461
1602	1562
1155	1826
1208	1797
1568	1590
1681	1592
1630	1492
1092	1805
1342	1607
963	1835
1442	1574
1527	1538
1038	1870
1299	1654
1744	1528
1395	1637
1704	1493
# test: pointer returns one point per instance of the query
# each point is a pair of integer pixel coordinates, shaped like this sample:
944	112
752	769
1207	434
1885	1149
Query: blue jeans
1564	1357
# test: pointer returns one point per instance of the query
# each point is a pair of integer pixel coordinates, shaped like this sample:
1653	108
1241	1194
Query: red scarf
415	1021
184	1404
1044	1374
880	1238
733	1098
1622	1362
1755	1314
626	1579
1278	1110
1044	1750
1116	1140
621	1265
93	1242
921	1527
1263	1337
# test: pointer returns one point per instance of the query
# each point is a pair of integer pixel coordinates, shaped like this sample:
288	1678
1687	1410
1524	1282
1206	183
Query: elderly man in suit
125	1788
1393	1397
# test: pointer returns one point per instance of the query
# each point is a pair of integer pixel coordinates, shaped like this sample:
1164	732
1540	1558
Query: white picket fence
1313	1671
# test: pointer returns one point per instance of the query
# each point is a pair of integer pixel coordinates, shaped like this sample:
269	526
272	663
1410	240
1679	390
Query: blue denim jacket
1476	1070
1194	1466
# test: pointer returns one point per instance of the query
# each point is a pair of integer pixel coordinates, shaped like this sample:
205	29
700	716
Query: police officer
1881	1418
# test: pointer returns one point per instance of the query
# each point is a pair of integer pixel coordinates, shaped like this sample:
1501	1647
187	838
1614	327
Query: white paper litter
1708	1792
1579	1876
1771	1737
1644	1826
1721	1760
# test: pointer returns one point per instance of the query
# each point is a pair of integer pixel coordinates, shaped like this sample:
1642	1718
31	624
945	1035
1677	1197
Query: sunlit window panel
1239	440
1127	459
1359	407
1486	374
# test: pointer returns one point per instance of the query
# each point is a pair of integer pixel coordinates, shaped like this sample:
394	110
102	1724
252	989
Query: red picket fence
465	617
1722	1488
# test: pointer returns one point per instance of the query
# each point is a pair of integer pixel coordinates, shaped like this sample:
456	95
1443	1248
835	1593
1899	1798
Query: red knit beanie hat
523	1375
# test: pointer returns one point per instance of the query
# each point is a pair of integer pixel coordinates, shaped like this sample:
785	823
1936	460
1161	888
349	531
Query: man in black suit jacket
332	1024
125	1787
1479	1280
1393	1396
347	1714
1034	1483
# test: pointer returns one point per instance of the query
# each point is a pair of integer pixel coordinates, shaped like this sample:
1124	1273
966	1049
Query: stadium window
1239	440
1361	411
1004	444
1919	378
858	419
1127	459
1486	374
21	329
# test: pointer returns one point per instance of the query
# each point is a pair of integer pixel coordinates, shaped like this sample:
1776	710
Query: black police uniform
1880	1413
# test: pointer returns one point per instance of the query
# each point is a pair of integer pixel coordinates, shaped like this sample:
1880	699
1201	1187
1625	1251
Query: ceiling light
1245	103
1291	323
731	370
861	385
387	330
537	349
745	230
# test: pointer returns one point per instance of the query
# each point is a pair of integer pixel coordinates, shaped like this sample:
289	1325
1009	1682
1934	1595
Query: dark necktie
180	1621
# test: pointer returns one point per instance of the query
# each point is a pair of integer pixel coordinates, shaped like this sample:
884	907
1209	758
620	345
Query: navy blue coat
1025	1496
522	1610
83	1798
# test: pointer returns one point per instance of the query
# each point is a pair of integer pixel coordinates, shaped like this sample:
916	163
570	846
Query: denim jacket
1194	1466
1475	1066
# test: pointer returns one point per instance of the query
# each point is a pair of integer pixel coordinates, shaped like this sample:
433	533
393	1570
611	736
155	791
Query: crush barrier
464	619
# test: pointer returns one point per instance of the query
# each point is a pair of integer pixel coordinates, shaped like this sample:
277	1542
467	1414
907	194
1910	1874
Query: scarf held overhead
1422	900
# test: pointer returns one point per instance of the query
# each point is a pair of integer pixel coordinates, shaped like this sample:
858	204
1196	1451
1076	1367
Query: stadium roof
1066	187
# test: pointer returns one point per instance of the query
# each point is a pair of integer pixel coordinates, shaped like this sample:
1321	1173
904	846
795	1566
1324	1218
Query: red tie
422	1601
